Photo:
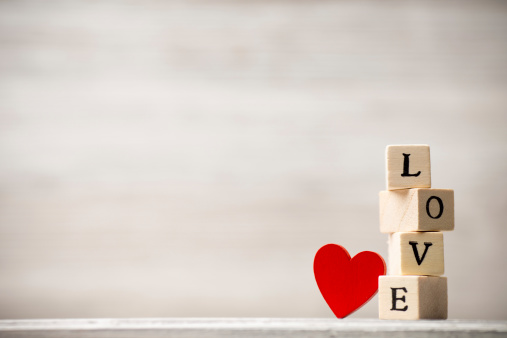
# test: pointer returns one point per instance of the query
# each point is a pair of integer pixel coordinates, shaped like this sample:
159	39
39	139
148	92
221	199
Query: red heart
347	284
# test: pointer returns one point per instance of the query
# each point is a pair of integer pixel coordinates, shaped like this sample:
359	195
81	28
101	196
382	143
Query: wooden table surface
249	327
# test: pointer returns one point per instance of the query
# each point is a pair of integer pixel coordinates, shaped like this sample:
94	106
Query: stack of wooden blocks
414	216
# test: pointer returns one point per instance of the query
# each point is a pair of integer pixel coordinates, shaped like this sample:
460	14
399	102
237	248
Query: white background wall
189	158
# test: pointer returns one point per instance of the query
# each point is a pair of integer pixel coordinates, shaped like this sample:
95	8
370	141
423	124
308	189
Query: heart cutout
347	284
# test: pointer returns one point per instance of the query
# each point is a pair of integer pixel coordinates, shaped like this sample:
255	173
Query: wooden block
412	297
416	210
416	253
408	166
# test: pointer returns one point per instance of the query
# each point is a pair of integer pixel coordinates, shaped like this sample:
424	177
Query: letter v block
416	253
408	166
412	297
416	210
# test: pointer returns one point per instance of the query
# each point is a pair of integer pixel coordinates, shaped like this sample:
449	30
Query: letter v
416	253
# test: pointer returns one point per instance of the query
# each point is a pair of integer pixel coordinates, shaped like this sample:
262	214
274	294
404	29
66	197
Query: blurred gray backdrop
188	158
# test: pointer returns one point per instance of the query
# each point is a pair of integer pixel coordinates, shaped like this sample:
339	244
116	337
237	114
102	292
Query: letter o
441	205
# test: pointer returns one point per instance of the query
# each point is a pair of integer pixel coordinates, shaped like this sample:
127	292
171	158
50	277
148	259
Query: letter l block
408	166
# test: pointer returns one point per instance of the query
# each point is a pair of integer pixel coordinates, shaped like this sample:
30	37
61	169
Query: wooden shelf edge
249	327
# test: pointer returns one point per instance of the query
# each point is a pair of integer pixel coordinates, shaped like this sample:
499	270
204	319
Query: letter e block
412	297
416	253
408	166
416	210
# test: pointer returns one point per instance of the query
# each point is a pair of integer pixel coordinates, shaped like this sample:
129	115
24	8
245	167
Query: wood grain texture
412	297
403	259
188	158
249	327
408	166
416	210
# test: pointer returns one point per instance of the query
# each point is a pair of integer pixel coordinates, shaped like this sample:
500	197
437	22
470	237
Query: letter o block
408	166
412	297
416	210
